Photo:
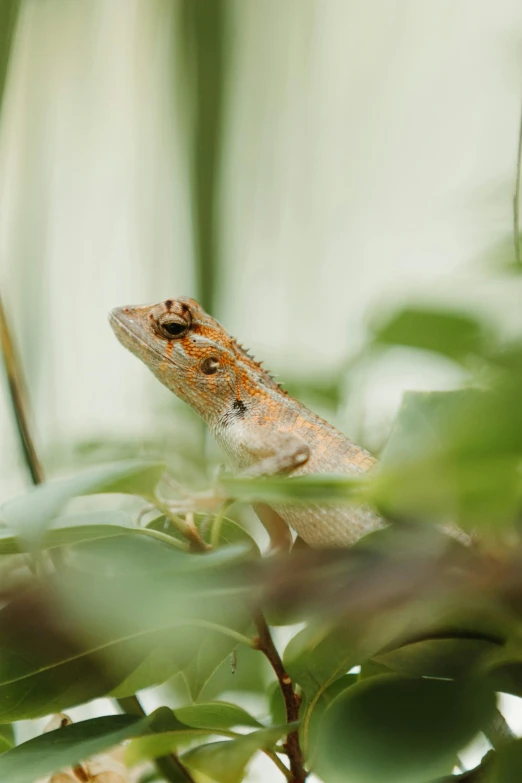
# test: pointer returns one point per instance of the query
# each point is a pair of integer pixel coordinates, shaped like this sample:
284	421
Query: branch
265	644
18	399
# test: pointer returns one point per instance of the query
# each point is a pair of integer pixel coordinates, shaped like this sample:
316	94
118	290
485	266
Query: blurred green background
298	166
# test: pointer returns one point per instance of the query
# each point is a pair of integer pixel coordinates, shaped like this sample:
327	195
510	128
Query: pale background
370	157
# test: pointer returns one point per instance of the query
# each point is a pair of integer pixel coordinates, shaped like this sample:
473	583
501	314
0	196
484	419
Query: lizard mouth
130	333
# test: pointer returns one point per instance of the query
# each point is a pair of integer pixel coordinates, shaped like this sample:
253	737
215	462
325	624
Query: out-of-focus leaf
315	660
504	766
209	655
391	729
230	532
29	515
505	677
300	489
312	718
9	10
276	704
453	455
161	743
225	762
125	613
450	333
317	392
215	715
7	739
68	745
10	545
451	657
250	674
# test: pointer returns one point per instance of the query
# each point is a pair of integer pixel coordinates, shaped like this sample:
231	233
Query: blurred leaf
7	739
317	392
225	762
505	677
161	743
230	532
65	642
451	657
391	729
210	654
276	704
314	488
9	10
316	661
250	675
30	514
10	545
215	715
312	718
450	333
453	455
68	745
504	766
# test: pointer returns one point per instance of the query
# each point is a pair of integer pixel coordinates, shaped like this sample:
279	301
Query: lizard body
261	429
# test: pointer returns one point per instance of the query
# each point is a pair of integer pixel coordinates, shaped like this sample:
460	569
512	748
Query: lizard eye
210	365
173	328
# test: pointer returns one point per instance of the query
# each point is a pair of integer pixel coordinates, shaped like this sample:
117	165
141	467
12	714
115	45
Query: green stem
217	524
189	532
19	399
170	540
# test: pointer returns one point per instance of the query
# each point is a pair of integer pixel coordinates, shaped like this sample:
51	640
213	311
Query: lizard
259	426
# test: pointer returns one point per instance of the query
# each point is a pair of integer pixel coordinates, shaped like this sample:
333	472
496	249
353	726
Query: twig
188	531
279	764
265	644
169	766
516	199
19	399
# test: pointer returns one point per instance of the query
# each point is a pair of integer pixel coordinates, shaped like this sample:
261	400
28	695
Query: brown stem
265	644
18	399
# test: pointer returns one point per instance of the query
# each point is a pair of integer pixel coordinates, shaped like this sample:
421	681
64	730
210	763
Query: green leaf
316	659
225	762
161	743
230	533
210	654
440	464
505	677
67	746
450	333
314	488
312	718
7	739
147	612
276	704
438	657
504	766
390	729
29	515
215	715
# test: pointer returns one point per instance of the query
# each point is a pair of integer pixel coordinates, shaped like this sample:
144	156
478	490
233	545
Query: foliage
433	622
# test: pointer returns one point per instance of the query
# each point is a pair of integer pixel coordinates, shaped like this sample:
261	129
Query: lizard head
194	356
